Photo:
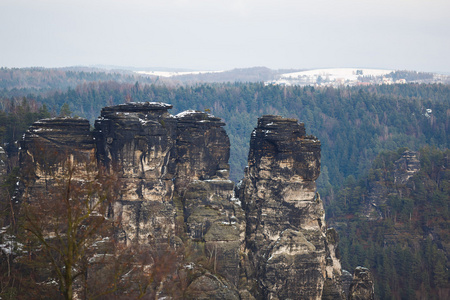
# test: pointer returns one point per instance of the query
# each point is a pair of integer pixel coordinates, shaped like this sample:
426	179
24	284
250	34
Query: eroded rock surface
174	170
3	160
216	222
362	287
406	167
138	141
266	239
47	148
202	147
286	242
208	286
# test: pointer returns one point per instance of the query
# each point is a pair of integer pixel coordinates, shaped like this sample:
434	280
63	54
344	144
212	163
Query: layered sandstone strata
48	149
286	239
265	239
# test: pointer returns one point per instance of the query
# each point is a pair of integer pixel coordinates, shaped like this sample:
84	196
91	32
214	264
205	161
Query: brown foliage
63	222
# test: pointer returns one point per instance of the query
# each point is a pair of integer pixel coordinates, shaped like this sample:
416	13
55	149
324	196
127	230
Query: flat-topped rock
268	122
195	117
136	110
137	107
60	134
203	148
284	145
48	149
69	132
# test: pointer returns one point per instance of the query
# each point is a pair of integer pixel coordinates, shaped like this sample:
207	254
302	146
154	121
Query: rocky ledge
362	287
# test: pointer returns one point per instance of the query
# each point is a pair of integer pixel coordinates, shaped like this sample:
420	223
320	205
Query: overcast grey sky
226	34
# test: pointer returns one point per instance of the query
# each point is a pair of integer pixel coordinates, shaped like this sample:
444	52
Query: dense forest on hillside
363	131
407	247
21	82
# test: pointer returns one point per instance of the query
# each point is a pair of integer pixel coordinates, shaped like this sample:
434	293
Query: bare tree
67	221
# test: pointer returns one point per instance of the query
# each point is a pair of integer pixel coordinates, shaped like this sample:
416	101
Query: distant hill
356	76
255	74
317	77
22	81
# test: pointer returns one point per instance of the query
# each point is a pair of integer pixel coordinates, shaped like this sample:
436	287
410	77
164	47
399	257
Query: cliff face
138	142
46	149
362	286
269	240
286	239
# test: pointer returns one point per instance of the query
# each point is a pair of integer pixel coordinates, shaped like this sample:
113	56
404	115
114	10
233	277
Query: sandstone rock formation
3	160
362	287
172	168
286	240
265	239
45	149
406	167
346	279
138	142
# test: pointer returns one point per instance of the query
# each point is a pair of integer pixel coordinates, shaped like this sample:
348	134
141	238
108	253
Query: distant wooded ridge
21	81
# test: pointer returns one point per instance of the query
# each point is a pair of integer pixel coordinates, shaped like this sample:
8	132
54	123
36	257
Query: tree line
353	124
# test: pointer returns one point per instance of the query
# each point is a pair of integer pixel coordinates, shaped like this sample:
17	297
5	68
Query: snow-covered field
334	74
318	77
